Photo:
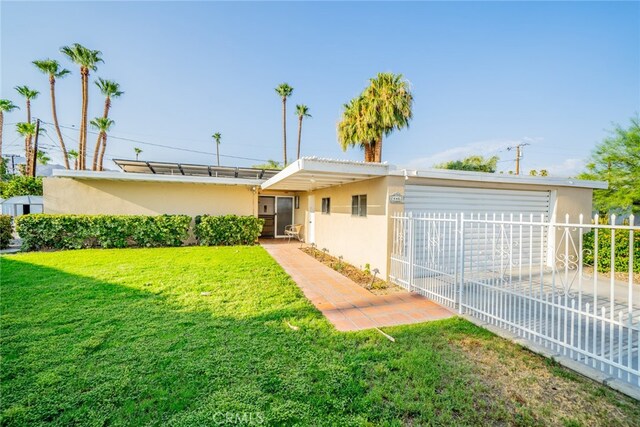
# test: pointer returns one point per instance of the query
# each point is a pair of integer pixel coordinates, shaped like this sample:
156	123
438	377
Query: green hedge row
621	250
6	226
227	230
45	231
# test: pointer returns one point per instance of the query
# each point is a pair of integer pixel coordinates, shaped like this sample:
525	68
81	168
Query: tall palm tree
87	60
6	106
217	136
356	128
285	91
102	124
52	68
137	151
110	90
28	94
389	106
43	158
302	111
73	154
28	131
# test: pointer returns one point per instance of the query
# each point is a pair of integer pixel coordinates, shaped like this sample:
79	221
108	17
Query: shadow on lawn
77	350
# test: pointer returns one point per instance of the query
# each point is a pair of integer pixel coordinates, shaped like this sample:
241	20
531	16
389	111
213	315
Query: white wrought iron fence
536	278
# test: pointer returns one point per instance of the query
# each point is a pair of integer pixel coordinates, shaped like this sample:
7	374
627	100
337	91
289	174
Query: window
359	205
326	205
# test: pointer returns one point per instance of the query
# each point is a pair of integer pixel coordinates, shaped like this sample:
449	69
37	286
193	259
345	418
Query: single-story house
22	205
344	206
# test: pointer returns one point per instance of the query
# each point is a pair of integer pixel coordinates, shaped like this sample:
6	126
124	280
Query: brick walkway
348	306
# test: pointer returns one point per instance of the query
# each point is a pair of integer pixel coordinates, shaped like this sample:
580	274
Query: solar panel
167	168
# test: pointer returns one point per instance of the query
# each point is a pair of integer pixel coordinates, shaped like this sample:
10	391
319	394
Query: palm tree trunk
83	124
96	152
52	87
103	148
218	152
378	150
299	134
368	152
27	140
284	129
107	105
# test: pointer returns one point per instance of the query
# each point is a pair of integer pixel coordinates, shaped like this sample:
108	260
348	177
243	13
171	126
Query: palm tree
217	136
355	128
137	151
302	111
389	105
6	106
102	124
43	158
285	91
28	94
73	154
87	60
52	68
109	89
27	130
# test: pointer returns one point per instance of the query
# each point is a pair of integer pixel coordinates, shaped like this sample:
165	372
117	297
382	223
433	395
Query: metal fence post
460	283
411	250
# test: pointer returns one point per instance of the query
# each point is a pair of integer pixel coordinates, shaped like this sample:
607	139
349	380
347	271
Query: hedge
227	230
46	231
621	250
6	227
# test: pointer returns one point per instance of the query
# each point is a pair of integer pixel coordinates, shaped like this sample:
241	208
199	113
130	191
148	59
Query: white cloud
483	148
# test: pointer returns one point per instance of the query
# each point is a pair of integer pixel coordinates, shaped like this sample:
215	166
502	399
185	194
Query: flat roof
149	177
312	173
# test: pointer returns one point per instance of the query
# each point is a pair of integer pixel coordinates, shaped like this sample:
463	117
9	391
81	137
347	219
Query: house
22	205
344	206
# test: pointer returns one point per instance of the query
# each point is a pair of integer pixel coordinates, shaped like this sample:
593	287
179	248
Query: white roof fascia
499	178
146	177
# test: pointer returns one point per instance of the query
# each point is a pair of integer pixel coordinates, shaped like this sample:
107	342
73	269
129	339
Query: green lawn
124	337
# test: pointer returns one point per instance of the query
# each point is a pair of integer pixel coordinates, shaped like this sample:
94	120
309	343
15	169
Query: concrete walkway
347	305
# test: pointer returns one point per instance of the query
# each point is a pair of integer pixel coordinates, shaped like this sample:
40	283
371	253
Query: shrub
621	250
6	227
227	230
44	231
19	185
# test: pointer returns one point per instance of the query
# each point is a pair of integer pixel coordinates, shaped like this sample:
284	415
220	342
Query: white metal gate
528	276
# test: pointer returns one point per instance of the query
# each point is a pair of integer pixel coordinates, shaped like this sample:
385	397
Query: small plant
339	266
367	268
6	227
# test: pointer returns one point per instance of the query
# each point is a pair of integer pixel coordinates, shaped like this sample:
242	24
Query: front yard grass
127	337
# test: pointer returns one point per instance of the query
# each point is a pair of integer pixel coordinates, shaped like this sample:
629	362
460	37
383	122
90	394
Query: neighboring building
22	205
344	206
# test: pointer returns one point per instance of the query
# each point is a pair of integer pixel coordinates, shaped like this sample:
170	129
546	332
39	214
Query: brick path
347	305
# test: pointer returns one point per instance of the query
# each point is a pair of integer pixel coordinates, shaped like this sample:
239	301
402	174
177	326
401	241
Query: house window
326	205
359	205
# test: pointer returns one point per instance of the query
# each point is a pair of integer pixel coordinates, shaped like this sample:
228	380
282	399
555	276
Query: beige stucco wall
71	196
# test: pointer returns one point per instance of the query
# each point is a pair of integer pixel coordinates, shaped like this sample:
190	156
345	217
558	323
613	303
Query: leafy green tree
20	185
52	68
472	163
617	161
271	164
28	131
217	136
43	157
302	111
109	89
28	95
73	155
6	106
285	91
137	151
544	172
87	59
384	106
533	172
102	124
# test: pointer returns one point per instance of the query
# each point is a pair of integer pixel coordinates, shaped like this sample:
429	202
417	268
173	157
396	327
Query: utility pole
518	154
13	162
34	159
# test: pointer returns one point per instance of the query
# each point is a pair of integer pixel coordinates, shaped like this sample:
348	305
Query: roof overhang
499	178
311	173
147	177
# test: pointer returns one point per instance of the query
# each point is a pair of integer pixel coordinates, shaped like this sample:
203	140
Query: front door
284	214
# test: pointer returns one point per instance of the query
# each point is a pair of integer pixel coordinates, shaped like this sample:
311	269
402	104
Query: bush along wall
227	230
6	227
46	231
621	250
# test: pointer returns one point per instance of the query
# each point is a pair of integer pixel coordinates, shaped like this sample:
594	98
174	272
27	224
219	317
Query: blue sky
485	75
